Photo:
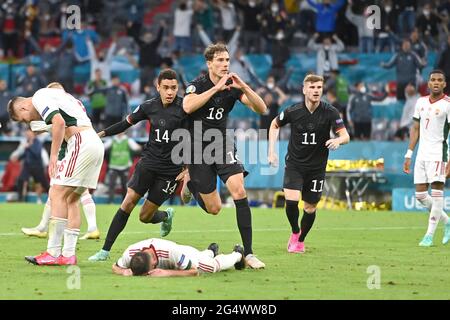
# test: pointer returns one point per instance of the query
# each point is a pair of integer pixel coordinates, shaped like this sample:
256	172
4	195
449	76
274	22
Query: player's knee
423	198
214	209
57	194
239	193
310	208
130	201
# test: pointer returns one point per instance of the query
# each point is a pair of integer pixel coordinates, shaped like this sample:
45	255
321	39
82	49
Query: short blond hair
11	107
55	85
312	78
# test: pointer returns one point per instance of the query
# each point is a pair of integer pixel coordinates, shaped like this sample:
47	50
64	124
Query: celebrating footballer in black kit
155	172
306	160
208	101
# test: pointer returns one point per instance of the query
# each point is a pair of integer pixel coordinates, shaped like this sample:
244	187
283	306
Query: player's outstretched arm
114	129
413	138
192	101
121	271
173	273
273	137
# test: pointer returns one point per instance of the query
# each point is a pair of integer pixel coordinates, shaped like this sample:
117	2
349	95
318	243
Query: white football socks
436	210
89	211
425	200
70	242
227	261
46	214
55	235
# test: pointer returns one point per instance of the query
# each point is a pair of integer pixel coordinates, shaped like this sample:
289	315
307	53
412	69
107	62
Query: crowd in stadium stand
153	34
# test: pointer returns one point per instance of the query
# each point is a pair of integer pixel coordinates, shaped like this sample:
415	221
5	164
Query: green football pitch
347	253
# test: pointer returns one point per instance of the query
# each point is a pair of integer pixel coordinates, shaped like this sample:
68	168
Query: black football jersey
214	114
309	132
163	121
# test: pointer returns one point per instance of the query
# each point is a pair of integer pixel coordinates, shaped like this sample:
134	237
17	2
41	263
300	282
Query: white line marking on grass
11	234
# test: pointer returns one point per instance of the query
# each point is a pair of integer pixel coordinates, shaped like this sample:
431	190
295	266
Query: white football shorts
429	171
83	161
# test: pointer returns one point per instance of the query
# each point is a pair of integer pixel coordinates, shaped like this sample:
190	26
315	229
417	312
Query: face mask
252	4
270	85
326	47
363	90
388	9
280	35
426	12
274	8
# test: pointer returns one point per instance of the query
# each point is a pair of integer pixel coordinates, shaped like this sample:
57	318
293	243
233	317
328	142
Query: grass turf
340	248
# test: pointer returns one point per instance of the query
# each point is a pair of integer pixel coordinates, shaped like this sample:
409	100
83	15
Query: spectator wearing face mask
280	52
278	30
385	34
228	18
102	61
365	32
327	58
326	15
251	37
359	111
272	86
427	24
274	98
273	21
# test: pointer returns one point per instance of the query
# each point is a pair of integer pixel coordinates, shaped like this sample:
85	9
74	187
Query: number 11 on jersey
312	139
314	188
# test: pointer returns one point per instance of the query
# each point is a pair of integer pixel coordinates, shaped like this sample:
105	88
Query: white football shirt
434	119
170	254
50	101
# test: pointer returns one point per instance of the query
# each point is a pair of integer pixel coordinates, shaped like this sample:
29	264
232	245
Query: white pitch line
11	234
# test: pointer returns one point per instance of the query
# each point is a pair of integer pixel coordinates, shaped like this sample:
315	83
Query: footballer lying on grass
163	258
